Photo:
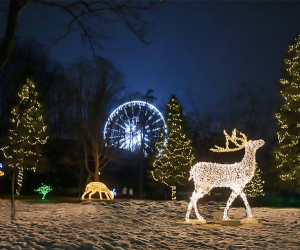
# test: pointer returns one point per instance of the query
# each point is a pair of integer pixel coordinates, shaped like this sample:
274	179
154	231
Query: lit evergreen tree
174	158
287	150
27	133
255	188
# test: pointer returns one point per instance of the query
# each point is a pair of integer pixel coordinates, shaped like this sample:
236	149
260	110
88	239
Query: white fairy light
99	187
208	175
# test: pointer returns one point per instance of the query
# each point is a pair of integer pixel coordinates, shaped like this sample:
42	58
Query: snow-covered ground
141	224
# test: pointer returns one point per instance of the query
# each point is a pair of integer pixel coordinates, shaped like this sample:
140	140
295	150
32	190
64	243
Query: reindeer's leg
107	193
229	202
248	208
91	193
82	197
193	203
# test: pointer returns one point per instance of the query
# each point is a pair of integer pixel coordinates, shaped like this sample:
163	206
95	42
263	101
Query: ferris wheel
135	125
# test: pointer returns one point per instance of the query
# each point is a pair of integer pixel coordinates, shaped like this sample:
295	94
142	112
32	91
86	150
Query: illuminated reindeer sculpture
99	187
207	175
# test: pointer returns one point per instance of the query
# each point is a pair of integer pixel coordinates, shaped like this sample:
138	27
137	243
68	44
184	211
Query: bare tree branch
94	85
89	17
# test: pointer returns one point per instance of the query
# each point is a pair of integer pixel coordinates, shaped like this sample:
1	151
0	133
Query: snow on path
141	225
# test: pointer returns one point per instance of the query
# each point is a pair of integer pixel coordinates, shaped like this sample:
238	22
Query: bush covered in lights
44	189
255	188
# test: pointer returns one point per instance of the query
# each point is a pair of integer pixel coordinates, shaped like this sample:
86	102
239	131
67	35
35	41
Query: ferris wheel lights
134	122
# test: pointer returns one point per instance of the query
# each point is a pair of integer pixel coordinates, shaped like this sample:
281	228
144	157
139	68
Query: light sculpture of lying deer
208	175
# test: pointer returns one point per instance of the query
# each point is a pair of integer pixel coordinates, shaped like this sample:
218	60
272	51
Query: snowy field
140	224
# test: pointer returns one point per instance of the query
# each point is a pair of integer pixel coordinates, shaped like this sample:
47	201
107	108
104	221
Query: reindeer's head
256	144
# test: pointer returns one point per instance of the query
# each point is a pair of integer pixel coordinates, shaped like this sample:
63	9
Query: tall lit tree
255	188
287	150
174	159
27	133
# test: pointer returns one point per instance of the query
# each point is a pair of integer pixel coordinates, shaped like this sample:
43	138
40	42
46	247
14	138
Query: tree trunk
13	213
173	192
80	183
86	160
97	166
141	183
15	8
18	192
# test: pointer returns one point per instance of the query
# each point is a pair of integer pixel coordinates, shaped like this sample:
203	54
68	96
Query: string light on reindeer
208	175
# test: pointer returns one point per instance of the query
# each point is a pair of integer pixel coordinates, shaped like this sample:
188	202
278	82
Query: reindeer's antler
234	139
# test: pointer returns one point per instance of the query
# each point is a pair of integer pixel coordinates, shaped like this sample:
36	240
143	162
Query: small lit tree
174	159
255	188
44	189
27	133
287	150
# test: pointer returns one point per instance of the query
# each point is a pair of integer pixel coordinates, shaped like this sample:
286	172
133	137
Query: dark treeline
249	109
78	100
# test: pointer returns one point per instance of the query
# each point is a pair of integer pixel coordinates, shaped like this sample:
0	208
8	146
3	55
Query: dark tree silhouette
94	86
83	14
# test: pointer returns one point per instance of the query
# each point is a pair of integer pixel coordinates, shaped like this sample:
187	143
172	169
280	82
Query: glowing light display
132	124
208	175
99	187
287	149
174	160
44	189
1	173
29	131
255	188
114	193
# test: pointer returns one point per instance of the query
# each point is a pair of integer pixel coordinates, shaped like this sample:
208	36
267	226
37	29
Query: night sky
210	46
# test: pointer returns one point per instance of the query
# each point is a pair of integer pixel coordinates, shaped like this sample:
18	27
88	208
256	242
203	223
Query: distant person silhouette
131	193
124	192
